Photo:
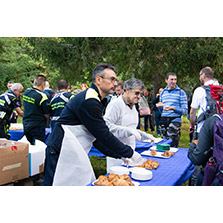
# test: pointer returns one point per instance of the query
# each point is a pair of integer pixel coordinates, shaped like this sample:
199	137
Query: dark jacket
201	153
85	109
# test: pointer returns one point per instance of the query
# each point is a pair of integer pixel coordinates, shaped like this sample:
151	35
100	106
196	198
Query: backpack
213	170
214	97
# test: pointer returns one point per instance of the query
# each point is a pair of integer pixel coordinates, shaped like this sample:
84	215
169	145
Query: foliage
73	58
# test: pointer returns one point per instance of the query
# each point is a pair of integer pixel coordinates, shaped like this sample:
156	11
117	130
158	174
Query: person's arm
91	117
19	111
193	112
45	107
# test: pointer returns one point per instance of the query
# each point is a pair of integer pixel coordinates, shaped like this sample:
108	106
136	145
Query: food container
139	173
164	147
120	170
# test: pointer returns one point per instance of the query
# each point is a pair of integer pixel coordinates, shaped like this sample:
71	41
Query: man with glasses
8	102
84	112
122	118
175	105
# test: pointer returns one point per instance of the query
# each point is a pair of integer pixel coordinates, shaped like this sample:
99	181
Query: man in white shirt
199	97
199	102
121	117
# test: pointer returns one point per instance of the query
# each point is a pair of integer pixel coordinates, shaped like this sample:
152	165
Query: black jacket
87	109
201	153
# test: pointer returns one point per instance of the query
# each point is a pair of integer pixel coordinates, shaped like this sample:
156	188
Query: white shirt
120	117
199	101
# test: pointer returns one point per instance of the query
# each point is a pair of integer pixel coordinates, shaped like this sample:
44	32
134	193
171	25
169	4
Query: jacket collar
176	88
96	89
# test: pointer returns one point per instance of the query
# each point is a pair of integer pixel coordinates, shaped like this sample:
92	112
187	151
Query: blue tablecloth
140	147
18	134
173	171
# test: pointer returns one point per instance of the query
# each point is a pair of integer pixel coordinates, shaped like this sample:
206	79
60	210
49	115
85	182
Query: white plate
158	154
157	140
134	182
172	149
139	173
120	170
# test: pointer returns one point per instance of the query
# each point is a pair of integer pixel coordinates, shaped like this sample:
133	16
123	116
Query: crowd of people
108	115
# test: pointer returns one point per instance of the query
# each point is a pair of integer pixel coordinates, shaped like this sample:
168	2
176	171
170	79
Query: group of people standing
110	127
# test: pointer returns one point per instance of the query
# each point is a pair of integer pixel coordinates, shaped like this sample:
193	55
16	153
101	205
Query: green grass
99	164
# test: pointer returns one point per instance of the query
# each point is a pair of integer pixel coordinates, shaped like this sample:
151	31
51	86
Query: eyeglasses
137	93
112	79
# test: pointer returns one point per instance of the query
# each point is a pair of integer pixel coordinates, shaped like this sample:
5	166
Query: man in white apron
122	117
80	123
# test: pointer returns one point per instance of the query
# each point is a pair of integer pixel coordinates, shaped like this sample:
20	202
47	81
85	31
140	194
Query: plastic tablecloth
173	171
18	134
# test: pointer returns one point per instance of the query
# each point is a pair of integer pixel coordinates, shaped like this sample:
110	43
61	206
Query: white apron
74	167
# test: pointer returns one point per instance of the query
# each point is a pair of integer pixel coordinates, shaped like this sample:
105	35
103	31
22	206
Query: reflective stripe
60	96
2	114
91	93
44	97
64	98
54	118
7	99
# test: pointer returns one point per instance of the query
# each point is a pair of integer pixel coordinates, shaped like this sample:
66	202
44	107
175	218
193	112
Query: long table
173	171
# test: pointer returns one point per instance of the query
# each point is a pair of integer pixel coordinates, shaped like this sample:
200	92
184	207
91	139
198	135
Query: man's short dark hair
39	79
62	84
99	70
170	74
208	72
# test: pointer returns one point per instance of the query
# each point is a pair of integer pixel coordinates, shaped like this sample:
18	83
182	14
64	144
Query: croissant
111	176
121	182
153	153
102	178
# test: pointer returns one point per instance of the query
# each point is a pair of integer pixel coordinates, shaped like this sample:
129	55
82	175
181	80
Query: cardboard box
14	161
36	156
36	159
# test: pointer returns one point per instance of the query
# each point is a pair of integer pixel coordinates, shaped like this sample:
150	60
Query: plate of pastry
115	180
154	153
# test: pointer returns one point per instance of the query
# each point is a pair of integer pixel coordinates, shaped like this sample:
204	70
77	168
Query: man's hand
145	136
136	134
167	108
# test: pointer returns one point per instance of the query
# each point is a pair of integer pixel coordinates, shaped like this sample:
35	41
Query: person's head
206	74
171	80
9	85
83	86
69	88
62	85
17	89
104	77
47	85
133	88
146	92
119	88
160	90
39	82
